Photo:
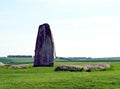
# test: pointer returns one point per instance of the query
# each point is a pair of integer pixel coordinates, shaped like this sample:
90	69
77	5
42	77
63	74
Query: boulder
87	67
96	67
2	64
44	49
19	66
69	68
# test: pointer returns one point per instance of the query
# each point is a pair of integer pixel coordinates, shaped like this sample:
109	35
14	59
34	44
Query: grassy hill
47	78
17	60
105	59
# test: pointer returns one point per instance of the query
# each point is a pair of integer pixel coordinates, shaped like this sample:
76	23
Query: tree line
20	56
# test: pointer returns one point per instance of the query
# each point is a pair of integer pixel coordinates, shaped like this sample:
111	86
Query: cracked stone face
44	49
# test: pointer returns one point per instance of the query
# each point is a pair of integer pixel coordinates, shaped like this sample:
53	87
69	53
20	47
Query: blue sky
87	28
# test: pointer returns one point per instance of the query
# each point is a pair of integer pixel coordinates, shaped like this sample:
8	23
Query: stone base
45	65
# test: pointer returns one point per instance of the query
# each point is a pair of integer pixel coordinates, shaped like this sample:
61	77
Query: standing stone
44	50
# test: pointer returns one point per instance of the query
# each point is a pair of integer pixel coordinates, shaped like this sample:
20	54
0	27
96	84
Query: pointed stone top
45	24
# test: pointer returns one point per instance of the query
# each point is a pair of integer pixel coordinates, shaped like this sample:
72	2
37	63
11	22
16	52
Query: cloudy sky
84	28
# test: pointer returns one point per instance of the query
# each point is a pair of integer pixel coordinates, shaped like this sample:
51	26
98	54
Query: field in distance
18	60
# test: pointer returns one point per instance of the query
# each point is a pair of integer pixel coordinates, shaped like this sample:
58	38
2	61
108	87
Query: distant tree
20	56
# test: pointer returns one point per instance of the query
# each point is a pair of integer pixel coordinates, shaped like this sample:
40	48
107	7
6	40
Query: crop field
8	60
46	78
18	60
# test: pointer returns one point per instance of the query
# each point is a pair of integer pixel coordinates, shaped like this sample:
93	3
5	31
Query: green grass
21	60
47	78
16	60
105	59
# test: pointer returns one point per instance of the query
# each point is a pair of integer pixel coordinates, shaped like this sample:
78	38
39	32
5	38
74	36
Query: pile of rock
19	66
96	67
2	64
87	68
69	68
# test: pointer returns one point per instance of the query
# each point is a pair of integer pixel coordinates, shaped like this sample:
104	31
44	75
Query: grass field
105	59
47	78
16	60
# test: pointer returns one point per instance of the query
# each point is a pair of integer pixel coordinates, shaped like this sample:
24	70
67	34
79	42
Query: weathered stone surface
19	66
69	68
96	66
44	50
86	68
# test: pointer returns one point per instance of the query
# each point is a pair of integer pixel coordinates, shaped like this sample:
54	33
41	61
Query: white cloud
98	22
100	19
79	1
92	39
73	1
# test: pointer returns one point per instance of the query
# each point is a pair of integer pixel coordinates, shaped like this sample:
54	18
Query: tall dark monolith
44	50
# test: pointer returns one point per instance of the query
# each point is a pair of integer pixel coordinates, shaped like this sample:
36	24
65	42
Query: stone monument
44	49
